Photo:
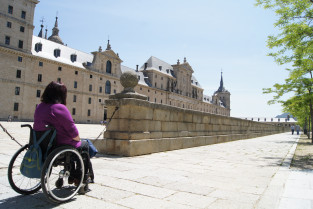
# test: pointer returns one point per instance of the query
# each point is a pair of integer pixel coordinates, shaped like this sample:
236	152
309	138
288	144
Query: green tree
293	45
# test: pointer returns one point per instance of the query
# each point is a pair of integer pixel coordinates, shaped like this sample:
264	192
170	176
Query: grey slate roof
140	75
154	63
195	82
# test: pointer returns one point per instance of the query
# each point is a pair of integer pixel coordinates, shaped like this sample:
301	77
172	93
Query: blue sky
212	35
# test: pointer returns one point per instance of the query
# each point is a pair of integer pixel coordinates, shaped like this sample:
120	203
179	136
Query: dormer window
38	47
73	57
167	70
160	68
57	52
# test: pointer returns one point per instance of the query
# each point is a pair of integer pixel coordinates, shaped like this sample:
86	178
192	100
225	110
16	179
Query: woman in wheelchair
66	168
53	111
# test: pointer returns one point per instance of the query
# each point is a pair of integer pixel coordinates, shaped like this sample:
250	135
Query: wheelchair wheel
62	174
20	183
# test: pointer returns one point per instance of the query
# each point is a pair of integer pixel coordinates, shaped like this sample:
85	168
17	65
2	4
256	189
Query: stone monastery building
28	63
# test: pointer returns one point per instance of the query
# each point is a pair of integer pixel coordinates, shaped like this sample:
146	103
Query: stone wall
140	127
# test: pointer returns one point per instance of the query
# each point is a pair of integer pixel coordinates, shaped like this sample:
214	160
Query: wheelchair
66	170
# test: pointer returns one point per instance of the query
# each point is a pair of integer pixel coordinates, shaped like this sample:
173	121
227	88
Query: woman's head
54	93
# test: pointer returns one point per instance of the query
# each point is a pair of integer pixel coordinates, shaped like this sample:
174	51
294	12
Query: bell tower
222	95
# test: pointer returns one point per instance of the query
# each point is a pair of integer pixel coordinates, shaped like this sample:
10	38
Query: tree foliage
293	45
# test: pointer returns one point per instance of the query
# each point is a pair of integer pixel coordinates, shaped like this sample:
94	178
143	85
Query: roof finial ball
129	80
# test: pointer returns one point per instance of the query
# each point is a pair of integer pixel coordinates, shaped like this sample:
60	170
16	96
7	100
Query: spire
221	88
46	34
41	33
108	45
55	33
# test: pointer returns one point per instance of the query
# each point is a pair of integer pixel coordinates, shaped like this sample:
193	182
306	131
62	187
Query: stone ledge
147	146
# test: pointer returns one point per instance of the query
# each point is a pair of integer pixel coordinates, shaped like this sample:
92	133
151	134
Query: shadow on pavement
37	200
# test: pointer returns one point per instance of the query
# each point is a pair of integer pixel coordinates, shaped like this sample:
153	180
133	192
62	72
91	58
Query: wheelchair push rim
20	183
56	174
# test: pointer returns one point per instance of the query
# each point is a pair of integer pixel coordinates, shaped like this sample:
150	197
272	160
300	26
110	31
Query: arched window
57	52
109	66
38	47
108	87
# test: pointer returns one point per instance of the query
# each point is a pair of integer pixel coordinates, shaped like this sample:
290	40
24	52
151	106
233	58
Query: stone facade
16	24
28	63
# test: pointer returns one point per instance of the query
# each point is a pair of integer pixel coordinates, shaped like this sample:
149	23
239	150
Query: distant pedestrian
297	129
292	129
9	118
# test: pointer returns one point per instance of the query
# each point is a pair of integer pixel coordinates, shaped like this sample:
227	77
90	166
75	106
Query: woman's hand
77	138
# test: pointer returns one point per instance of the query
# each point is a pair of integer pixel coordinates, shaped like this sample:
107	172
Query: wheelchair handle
26	125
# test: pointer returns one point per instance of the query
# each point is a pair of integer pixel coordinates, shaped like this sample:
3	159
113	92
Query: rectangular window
59	68
76	72
20	59
89	113
73	111
89	100
114	91
20	44
18	73
15	106
10	9
100	89
38	93
40	64
59	80
17	90
22	29
75	84
90	87
23	14
99	100
74	98
39	77
9	24
90	76
7	40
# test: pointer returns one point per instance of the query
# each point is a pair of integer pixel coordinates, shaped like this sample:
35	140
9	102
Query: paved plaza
245	174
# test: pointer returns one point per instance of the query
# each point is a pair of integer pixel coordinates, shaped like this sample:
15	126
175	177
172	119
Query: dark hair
54	93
